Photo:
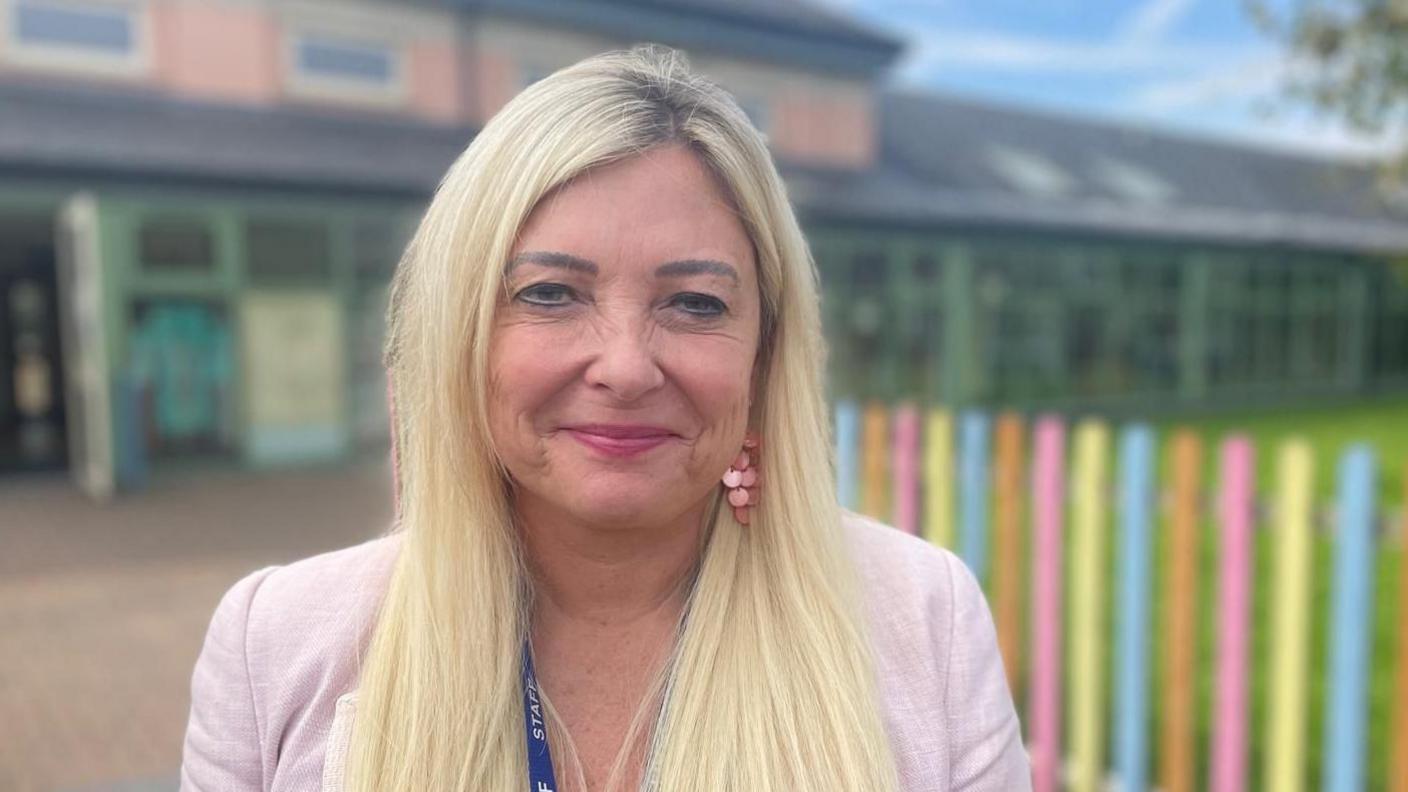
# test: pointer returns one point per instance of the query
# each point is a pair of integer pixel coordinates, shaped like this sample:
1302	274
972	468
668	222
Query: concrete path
103	608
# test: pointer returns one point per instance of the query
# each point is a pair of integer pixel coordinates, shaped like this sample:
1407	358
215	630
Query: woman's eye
546	294
700	304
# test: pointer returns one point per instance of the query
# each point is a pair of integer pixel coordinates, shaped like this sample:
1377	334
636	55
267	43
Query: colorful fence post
1089	570
1229	737
1398	745
1290	621
876	440
905	467
1132	626
973	461
847	452
938	478
1048	512
1181	615
1008	569
1346	725
895	454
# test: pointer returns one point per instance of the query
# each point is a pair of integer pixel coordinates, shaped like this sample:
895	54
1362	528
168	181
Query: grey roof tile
935	168
78	129
942	160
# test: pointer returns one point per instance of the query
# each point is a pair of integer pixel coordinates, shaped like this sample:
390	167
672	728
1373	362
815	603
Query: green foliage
1351	56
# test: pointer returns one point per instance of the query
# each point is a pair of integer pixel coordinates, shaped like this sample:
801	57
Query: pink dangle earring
741	479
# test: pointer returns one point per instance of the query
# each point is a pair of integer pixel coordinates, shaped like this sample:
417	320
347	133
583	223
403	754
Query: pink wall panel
433	81
216	51
823	131
495	77
849	132
791	130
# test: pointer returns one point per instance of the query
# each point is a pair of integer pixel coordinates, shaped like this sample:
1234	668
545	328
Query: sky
1198	66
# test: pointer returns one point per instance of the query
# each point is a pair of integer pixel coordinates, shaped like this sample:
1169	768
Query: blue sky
1194	65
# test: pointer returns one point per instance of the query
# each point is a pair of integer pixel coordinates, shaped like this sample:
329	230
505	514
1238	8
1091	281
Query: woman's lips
619	441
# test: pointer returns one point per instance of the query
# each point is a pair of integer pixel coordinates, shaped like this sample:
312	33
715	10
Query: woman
618	562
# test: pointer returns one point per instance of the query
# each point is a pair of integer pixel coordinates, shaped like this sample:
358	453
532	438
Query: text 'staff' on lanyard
540	777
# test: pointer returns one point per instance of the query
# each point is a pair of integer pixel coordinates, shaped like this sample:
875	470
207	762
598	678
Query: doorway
32	425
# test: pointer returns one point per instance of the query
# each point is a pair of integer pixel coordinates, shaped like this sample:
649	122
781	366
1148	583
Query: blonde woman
618	562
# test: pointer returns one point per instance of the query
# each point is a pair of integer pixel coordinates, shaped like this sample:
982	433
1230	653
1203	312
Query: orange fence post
1180	615
1007	572
875	464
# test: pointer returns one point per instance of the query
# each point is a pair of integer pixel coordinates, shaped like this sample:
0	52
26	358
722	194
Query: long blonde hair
771	685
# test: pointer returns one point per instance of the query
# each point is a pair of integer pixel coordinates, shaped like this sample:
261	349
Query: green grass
1328	430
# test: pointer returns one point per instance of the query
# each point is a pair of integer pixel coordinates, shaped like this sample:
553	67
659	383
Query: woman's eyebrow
548	258
696	267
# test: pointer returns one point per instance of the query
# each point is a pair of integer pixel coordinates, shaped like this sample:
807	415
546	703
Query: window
281	251
176	244
1133	182
1029	172
344	67
83	34
344	60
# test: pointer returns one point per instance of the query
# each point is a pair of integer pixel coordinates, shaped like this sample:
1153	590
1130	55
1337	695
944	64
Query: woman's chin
626	505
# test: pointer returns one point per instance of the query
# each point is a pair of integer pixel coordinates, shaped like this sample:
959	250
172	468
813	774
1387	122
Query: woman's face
623	349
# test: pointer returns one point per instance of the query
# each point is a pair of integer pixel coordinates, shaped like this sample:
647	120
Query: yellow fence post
1290	621
1089	570
937	525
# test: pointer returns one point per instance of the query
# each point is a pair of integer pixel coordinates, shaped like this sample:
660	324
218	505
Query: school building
201	202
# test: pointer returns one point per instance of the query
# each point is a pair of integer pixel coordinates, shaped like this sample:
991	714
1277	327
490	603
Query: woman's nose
625	363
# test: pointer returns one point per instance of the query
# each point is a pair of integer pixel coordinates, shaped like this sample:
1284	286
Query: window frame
309	85
136	62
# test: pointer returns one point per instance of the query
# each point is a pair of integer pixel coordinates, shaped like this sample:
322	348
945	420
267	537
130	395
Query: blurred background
1178	221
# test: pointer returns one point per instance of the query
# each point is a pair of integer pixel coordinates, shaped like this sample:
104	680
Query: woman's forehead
662	205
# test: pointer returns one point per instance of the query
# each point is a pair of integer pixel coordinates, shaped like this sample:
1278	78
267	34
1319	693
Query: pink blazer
273	694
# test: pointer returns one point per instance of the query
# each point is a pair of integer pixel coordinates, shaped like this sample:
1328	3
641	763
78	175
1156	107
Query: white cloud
1150	22
935	50
1244	81
1138	45
1199	87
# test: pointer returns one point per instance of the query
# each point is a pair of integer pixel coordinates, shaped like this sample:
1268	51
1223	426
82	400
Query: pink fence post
906	467
1229	736
1048	515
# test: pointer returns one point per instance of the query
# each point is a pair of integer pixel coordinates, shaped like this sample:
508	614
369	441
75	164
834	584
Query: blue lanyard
540	776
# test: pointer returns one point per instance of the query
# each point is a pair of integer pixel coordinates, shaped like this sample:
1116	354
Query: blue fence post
847	452
1346	726
1136	491
973	459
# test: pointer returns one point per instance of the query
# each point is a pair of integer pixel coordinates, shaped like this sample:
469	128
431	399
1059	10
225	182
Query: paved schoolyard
103	608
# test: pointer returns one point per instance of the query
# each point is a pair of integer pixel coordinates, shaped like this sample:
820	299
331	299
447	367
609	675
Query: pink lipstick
619	440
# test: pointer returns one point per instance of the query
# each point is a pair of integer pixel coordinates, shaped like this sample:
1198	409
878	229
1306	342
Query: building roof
85	130
944	163
792	31
949	160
